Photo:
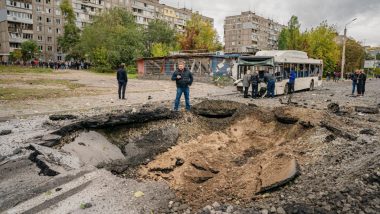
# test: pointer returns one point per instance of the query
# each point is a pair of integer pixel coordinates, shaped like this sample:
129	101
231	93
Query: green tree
29	49
290	37
199	35
70	38
160	50
321	45
159	33
113	38
355	55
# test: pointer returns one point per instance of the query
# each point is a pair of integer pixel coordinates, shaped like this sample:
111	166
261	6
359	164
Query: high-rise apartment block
249	32
43	21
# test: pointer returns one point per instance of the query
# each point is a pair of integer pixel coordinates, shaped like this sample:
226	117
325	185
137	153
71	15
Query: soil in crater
234	158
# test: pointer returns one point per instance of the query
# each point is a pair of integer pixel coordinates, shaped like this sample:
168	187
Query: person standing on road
184	79
122	80
361	83
328	76
271	84
255	84
246	83
354	78
292	80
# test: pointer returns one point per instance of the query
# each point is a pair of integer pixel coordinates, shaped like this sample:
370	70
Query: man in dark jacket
184	79
271	84
361	83
122	80
255	84
354	78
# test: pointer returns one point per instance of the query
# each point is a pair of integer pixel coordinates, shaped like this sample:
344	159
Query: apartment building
43	21
248	32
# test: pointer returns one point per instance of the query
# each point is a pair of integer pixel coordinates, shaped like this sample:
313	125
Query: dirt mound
216	108
255	153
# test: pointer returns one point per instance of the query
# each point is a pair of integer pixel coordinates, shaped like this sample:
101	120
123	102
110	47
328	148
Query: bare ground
227	159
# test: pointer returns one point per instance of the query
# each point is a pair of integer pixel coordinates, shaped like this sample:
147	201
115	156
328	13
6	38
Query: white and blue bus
279	63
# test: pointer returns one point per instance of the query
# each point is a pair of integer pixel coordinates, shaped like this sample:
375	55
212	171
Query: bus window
312	69
286	71
301	70
299	74
316	73
279	73
306	73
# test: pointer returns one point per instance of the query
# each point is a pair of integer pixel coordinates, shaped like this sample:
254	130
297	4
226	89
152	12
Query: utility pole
344	50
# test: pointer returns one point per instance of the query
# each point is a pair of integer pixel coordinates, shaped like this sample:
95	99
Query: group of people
359	79
253	78
76	65
333	75
182	76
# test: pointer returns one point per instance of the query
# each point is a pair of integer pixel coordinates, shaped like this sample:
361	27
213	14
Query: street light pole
344	49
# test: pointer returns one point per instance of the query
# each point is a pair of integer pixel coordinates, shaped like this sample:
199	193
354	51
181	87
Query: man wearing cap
122	80
184	79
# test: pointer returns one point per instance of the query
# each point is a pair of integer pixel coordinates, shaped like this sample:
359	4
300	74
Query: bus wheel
286	89
311	85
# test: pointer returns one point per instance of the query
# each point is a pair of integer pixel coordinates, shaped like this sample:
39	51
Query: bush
103	69
131	69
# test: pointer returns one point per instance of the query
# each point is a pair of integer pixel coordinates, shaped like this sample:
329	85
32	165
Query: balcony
19	20
16	39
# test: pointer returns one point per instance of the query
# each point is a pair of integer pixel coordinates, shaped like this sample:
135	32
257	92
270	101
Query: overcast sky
365	29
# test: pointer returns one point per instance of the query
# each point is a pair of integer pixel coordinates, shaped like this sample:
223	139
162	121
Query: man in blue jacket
122	80
184	79
292	80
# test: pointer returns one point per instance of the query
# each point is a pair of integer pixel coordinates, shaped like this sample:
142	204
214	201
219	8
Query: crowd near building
249	32
43	21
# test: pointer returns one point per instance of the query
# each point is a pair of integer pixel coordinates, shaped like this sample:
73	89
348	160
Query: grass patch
132	76
66	83
113	73
22	69
22	94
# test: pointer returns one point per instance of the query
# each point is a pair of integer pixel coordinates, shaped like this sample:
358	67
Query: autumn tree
321	45
318	42
15	55
355	55
199	35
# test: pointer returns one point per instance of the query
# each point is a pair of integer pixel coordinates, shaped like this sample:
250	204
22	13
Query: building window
39	38
58	21
40	47
58	31
39	28
49	39
27	36
39	18
39	9
59	58
48	10
57	12
49	30
48	20
47	1
38	1
49	48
